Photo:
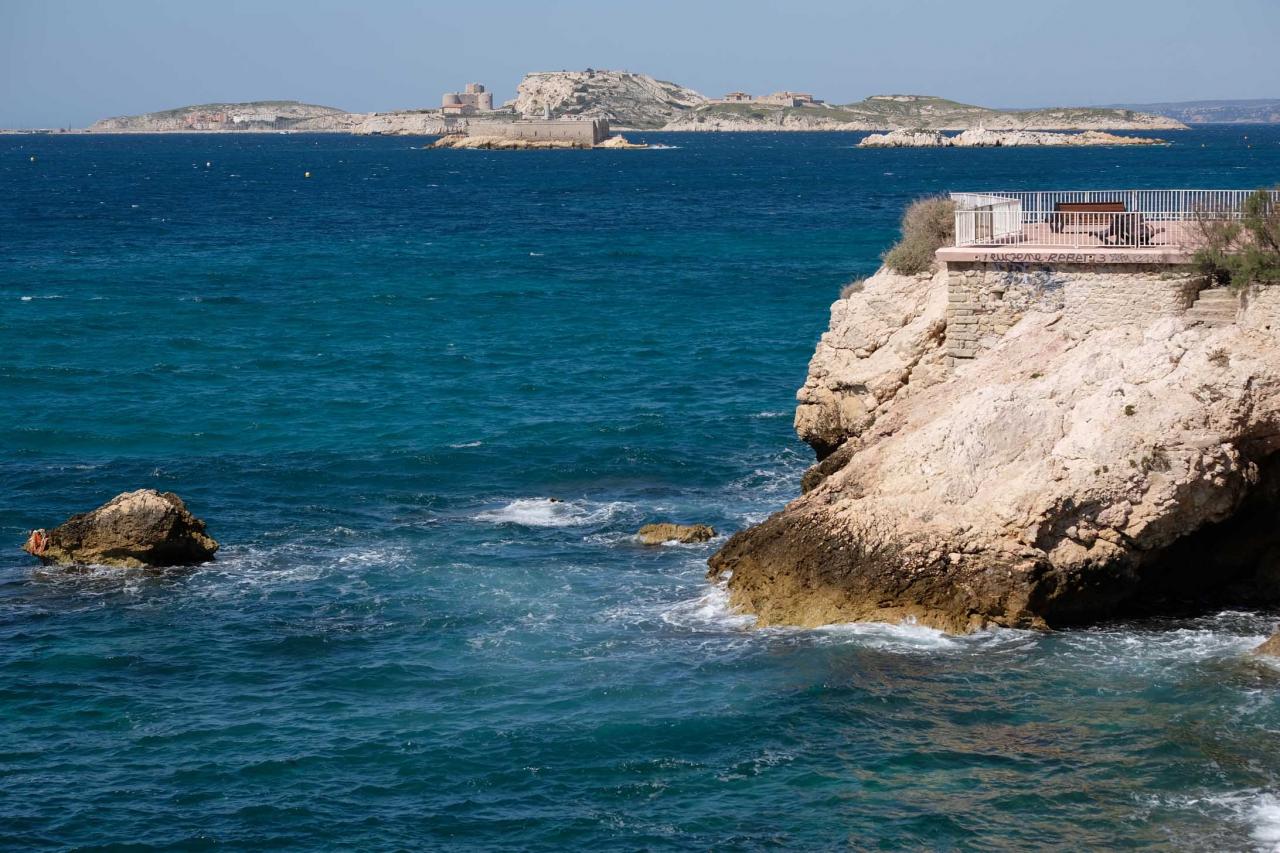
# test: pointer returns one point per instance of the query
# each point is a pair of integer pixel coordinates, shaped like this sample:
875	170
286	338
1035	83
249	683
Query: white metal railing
1086	218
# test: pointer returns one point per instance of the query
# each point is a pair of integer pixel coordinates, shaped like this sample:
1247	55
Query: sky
70	62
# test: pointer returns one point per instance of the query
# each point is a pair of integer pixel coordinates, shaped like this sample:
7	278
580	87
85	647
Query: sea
424	399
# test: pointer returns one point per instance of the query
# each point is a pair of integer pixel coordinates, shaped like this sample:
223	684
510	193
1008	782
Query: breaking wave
550	512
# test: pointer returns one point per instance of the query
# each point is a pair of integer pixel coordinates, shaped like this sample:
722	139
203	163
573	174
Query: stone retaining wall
986	298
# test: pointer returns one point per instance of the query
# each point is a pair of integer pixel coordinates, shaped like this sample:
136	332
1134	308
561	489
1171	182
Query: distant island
1256	111
629	100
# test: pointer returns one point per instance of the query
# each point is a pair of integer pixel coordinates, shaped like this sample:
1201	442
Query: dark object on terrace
1130	229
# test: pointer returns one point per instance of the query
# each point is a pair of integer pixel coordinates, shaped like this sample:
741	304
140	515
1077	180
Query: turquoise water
370	382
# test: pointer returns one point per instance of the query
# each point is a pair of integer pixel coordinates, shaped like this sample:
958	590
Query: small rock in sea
142	529
656	534
1271	647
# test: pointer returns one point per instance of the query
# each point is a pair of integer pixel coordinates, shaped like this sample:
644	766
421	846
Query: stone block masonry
985	299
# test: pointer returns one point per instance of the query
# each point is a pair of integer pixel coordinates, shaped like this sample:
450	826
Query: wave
1255	810
550	512
709	611
1228	634
463	444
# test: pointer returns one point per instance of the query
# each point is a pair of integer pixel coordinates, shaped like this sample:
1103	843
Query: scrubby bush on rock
928	225
1243	252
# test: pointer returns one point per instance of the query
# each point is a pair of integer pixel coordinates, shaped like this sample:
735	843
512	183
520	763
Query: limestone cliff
907	112
1093	453
626	99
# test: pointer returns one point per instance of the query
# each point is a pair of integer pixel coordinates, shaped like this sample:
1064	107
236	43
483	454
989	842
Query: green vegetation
1243	252
927	226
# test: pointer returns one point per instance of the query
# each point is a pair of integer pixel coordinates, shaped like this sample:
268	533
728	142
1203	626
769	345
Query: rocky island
1029	440
983	138
631	100
904	112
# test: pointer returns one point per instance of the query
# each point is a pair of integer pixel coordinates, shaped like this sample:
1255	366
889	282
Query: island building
1101	257
474	99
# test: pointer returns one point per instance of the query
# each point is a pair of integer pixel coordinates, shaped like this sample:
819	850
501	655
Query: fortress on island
471	114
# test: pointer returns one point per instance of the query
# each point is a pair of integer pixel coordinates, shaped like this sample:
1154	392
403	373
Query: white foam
770	415
709	611
547	512
905	636
1224	635
1264	814
463	444
1256	809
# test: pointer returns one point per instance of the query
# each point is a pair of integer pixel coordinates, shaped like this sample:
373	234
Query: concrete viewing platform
1088	226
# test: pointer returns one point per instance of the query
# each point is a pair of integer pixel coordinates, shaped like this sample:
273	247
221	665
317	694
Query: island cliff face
1080	450
625	98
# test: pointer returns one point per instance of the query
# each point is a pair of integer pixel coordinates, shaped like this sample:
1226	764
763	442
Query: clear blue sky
72	61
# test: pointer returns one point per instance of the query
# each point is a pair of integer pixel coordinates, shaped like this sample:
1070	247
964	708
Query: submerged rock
1271	647
133	530
1073	471
656	534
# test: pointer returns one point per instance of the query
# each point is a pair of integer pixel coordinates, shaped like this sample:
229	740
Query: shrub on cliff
1242	252
853	287
927	226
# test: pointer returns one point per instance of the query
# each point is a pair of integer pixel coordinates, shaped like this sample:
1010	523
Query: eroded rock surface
1067	474
133	530
1271	648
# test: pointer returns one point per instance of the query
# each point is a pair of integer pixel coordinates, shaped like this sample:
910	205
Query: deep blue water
369	382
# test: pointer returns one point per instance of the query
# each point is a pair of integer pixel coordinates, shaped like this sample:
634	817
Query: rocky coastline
1081	466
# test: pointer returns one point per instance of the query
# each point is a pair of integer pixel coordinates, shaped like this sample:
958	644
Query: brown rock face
656	534
1072	472
133	530
1271	647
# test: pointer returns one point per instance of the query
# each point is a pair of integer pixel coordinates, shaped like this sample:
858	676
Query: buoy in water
33	158
306	174
207	163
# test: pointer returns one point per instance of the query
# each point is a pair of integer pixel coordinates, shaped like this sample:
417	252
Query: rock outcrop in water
656	534
1271	648
142	529
1068	473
